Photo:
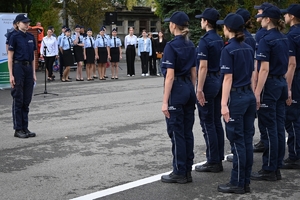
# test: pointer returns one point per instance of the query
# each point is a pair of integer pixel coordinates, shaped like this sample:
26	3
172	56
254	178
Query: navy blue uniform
292	123
179	54
237	59
23	45
249	39
209	48
273	48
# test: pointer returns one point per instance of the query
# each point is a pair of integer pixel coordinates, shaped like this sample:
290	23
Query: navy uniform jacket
273	47
294	43
237	59
209	48
23	45
179	54
249	39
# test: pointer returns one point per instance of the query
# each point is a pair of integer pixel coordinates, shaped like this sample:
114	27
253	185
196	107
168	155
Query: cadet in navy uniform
21	65
209	91
89	54
179	70
292	121
65	49
115	53
61	60
101	53
238	103
271	93
144	51
259	147
248	40
78	52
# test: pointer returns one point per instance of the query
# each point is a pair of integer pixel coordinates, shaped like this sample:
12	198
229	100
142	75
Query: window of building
131	23
119	23
153	26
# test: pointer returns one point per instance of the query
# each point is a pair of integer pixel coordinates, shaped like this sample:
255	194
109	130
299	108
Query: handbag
159	55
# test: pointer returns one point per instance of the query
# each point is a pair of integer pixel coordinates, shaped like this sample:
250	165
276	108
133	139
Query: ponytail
239	36
279	23
185	31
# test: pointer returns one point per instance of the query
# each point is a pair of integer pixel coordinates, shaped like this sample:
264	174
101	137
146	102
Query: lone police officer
21	65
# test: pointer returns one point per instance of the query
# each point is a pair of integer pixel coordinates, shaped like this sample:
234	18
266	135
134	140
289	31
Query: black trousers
145	61
152	64
49	64
61	64
130	57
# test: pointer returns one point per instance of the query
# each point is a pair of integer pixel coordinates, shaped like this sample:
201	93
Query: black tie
69	42
115	42
103	42
91	42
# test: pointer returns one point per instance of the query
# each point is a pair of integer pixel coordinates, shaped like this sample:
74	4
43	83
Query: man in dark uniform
10	32
21	64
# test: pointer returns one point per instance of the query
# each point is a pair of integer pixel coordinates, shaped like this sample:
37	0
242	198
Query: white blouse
51	44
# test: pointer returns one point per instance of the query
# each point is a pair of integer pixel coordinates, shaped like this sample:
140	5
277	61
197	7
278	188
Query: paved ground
102	134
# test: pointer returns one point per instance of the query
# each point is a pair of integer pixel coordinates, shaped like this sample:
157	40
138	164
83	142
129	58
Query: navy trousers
292	122
182	102
22	95
271	119
239	132
210	119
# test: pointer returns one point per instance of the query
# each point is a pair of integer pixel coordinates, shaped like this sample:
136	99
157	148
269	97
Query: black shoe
173	178
229	158
228	188
259	147
247	188
278	174
206	167
263	175
20	134
189	177
291	164
29	133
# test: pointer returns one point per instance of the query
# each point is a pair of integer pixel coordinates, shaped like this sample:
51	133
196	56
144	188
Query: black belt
243	88
275	76
181	78
21	62
213	73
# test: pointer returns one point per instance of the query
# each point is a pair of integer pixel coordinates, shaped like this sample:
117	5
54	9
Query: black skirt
78	53
68	58
90	55
115	54
102	53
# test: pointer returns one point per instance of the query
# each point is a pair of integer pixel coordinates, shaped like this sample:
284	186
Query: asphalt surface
101	134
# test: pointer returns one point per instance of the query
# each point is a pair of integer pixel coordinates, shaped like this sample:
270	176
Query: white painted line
126	186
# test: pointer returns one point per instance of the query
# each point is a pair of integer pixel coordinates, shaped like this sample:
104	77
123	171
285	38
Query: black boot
228	188
206	167
259	147
173	178
264	175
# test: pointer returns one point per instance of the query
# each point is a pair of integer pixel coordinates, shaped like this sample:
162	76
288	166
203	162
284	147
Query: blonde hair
184	30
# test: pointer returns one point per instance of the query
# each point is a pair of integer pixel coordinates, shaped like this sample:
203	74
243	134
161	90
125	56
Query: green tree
89	13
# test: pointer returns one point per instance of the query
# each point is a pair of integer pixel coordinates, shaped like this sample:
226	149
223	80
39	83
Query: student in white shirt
49	51
130	44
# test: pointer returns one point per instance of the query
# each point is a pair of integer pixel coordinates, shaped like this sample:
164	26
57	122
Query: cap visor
258	16
199	16
167	19
257	7
25	20
283	11
220	22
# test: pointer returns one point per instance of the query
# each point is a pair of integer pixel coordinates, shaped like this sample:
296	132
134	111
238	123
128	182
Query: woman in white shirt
49	52
144	51
130	44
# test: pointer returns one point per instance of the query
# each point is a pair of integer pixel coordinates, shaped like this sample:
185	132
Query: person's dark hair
239	34
248	24
279	23
211	24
